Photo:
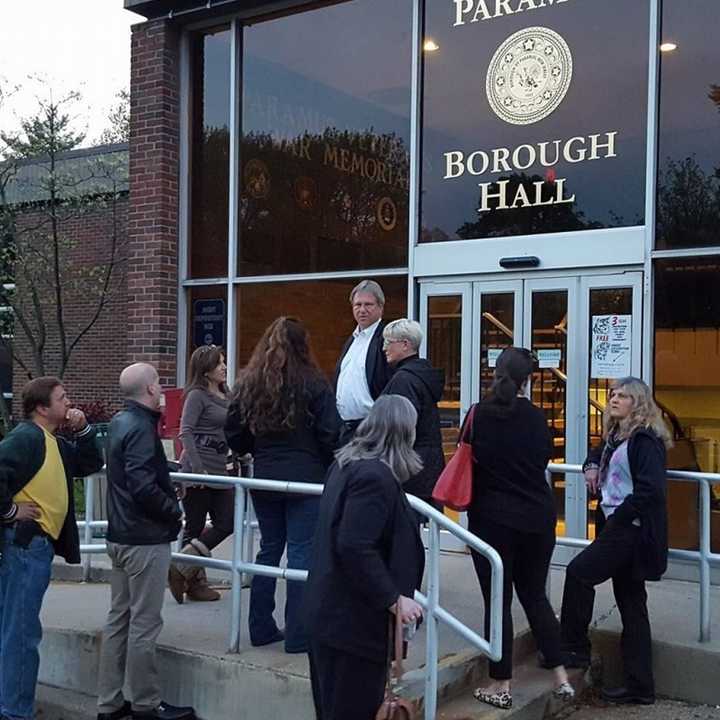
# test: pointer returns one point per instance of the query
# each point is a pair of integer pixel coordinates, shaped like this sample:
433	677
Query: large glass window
687	384
531	114
688	201
325	139
210	58
322	305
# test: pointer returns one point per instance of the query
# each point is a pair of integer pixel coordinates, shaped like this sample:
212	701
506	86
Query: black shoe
124	712
623	696
575	660
277	637
165	712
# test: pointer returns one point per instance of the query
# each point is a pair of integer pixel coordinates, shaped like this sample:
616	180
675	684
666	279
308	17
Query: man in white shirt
362	371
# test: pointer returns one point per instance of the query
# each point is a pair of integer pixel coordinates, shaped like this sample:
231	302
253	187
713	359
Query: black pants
610	556
344	686
526	559
201	502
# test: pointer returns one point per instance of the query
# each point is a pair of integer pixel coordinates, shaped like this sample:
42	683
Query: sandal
502	699
564	691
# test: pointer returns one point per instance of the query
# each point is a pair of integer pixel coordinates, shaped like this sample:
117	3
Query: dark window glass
326	104
688	201
687	383
323	305
210	154
534	120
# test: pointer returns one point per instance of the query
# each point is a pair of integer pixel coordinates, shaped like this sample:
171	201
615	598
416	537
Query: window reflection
545	125
688	201
687	385
324	178
210	153
322	305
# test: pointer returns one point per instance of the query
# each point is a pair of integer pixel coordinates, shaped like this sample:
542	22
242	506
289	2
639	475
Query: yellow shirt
48	489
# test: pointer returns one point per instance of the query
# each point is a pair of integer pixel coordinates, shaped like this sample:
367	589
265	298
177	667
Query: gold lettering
331	155
481	8
462	7
560	184
357	167
502	6
530	5
609	146
538	194
454	164
521	197
486	195
500	156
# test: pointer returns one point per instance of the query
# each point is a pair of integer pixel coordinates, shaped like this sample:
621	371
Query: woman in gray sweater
205	451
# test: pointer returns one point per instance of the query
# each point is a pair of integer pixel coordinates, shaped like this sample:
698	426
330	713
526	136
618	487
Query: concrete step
532	697
55	704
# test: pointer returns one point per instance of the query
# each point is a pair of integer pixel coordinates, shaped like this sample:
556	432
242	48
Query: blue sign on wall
208	322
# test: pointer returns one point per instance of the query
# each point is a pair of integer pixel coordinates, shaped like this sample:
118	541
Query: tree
57	298
118	130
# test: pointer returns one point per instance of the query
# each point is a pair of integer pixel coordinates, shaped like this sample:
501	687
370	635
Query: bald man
143	519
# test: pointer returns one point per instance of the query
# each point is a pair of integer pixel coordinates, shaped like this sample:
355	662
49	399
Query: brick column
153	217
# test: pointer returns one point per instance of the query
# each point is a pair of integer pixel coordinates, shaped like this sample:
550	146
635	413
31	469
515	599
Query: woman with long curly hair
282	411
628	473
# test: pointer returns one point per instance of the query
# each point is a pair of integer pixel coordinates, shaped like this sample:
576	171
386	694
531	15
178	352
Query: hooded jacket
422	384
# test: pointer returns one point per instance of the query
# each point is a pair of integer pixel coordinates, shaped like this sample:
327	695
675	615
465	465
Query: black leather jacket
142	506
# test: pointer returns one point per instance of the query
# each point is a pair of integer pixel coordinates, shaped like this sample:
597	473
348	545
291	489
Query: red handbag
454	486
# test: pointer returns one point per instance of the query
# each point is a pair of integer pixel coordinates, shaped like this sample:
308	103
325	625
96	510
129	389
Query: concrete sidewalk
194	641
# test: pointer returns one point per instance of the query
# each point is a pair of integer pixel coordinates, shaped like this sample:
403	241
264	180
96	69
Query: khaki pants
137	583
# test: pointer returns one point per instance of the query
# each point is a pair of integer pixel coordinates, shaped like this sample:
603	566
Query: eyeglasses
387	343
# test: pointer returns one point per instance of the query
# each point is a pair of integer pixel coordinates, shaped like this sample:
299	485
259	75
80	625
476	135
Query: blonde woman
628	473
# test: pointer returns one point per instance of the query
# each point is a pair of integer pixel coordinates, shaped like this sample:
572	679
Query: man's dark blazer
367	551
377	370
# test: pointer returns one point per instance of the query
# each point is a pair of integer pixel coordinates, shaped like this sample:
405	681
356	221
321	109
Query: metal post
89	484
238	543
704	561
433	600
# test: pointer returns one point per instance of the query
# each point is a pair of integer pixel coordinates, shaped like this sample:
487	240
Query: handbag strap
395	669
466	431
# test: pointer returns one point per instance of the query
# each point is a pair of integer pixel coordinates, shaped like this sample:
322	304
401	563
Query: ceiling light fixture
430	46
668	47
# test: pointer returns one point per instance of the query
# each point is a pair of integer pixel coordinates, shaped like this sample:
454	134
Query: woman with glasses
631	543
422	384
205	452
513	510
283	412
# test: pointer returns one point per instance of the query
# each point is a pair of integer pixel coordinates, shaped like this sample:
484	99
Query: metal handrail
241	564
703	557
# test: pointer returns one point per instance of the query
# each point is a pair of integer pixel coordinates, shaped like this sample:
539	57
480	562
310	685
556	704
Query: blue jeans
24	578
282	519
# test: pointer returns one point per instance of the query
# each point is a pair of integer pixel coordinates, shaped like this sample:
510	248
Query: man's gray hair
404	329
135	378
368	286
386	434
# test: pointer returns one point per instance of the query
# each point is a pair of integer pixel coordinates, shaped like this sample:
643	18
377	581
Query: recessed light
430	46
668	47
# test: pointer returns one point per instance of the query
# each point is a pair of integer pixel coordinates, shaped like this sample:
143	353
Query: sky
79	45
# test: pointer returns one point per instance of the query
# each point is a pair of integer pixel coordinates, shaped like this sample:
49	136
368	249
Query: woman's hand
407	610
592	479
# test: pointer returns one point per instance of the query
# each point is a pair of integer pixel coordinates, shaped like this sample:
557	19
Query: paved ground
662	710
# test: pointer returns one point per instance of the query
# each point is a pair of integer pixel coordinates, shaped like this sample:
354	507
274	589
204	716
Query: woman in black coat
422	384
631	544
368	560
283	413
513	511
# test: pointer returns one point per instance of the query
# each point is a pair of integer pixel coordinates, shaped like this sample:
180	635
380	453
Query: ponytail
503	390
513	367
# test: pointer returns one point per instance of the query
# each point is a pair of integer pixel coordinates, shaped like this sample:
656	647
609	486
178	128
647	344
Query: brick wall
153	214
92	374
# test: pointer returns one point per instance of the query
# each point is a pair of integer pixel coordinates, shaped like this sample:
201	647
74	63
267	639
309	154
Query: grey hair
386	434
404	329
368	286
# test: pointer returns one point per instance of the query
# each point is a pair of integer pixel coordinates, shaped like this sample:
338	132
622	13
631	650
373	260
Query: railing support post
89	485
704	560
237	559
433	600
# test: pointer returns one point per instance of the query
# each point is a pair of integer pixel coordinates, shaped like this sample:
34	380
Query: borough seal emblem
529	75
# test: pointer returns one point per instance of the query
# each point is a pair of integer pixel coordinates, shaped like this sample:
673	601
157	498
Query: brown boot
199	590
176	583
181	577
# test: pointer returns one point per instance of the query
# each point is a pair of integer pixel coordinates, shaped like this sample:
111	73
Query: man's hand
76	420
27	511
180	491
407	610
592	480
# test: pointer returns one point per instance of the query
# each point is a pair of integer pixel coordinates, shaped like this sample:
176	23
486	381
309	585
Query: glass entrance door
562	319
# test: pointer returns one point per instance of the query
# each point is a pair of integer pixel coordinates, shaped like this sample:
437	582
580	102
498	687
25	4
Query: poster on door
611	351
